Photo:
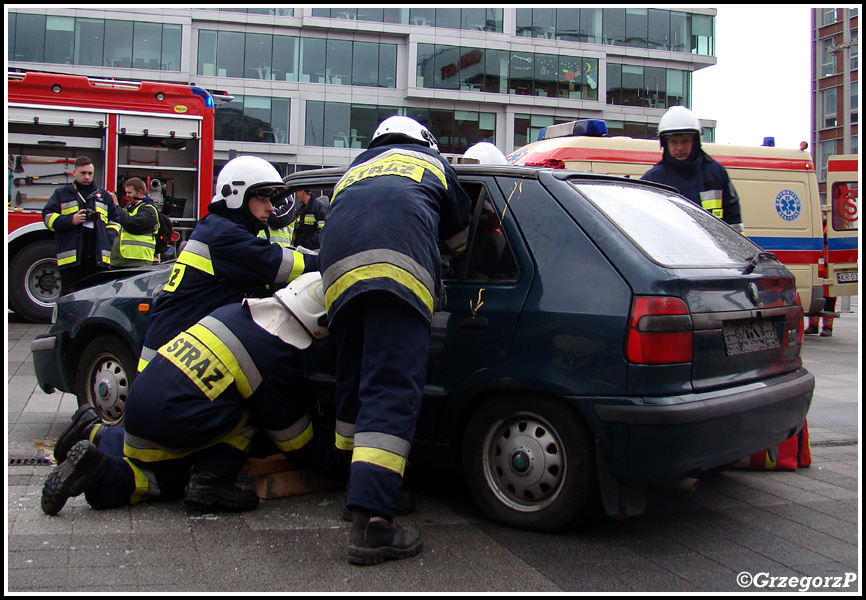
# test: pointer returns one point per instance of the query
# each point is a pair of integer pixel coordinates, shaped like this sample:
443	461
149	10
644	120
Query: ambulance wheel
529	464
105	372
34	282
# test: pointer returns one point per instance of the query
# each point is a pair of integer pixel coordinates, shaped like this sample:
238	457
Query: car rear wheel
529	464
105	372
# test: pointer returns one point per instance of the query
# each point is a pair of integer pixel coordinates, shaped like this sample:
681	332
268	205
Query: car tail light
801	327
660	331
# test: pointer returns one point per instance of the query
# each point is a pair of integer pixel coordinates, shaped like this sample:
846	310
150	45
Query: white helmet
304	300
679	119
486	154
406	126
246	174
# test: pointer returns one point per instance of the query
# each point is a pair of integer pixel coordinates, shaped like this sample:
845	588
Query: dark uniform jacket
386	215
68	238
703	181
204	380
311	217
222	263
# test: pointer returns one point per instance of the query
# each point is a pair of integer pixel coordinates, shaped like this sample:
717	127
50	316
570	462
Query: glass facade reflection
94	42
343	125
500	71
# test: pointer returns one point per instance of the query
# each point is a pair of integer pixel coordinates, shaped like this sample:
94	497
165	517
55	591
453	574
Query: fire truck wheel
34	282
106	369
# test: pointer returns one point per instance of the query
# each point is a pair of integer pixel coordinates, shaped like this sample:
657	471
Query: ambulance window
845	205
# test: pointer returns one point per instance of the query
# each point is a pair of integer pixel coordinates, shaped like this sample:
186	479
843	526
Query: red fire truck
160	132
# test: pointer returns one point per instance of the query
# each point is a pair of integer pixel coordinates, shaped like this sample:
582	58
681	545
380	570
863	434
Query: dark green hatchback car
599	333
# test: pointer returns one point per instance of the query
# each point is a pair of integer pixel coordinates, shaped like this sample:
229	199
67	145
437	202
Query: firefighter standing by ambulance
223	261
83	218
197	404
381	270
693	172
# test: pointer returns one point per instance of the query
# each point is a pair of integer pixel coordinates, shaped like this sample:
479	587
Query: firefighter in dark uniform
311	218
381	268
691	171
83	218
224	261
197	404
281	225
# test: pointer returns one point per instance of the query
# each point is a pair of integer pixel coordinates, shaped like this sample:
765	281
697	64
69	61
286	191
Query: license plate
846	277
745	337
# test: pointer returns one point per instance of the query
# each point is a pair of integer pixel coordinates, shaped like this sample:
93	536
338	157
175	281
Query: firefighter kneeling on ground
192	413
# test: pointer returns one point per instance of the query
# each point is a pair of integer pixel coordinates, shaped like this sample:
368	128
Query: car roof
334	173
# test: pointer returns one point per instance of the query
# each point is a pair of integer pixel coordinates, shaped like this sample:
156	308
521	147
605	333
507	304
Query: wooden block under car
277	477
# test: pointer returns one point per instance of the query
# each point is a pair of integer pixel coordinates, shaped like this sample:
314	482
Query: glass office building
310	84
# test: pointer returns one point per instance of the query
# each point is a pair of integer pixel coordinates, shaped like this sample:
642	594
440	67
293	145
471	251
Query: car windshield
668	228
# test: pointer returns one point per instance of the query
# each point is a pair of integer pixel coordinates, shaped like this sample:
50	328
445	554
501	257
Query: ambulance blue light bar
770	142
583	127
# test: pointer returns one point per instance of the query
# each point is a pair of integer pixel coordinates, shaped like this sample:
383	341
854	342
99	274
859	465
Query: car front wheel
529	464
105	372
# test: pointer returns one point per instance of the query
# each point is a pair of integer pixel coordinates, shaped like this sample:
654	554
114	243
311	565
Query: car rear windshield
669	229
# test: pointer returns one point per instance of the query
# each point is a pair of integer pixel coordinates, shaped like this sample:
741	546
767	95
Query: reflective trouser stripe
345	436
146	487
293	437
240	437
381	449
64	258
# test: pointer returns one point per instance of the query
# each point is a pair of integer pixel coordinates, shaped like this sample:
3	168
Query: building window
341	125
828	59
118	44
289	58
702	35
828	16
647	87
59	39
658	29
829	107
253	119
89	42
825	151
680	31
853	63
636	27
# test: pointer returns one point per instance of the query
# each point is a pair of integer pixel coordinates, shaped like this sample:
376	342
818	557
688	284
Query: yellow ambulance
778	189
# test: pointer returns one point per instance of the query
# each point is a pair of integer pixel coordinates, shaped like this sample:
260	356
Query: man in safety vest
311	218
196	407
381	268
83	218
224	261
139	222
691	171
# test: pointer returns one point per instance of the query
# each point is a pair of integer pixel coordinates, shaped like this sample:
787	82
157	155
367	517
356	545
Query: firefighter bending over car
191	414
224	261
381	269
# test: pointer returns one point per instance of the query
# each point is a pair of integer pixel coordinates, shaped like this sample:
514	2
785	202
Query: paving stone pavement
803	526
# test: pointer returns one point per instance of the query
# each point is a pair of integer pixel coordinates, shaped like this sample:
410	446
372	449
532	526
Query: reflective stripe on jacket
387	213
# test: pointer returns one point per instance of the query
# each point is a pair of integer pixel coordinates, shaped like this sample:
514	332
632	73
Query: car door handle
473	325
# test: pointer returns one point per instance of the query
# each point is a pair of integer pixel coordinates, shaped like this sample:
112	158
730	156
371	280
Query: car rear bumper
47	353
676	436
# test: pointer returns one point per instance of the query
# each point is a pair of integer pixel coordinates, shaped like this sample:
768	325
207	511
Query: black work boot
83	469
406	505
374	539
212	492
83	421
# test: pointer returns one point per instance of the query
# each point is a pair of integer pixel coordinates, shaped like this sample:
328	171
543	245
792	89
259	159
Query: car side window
488	255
